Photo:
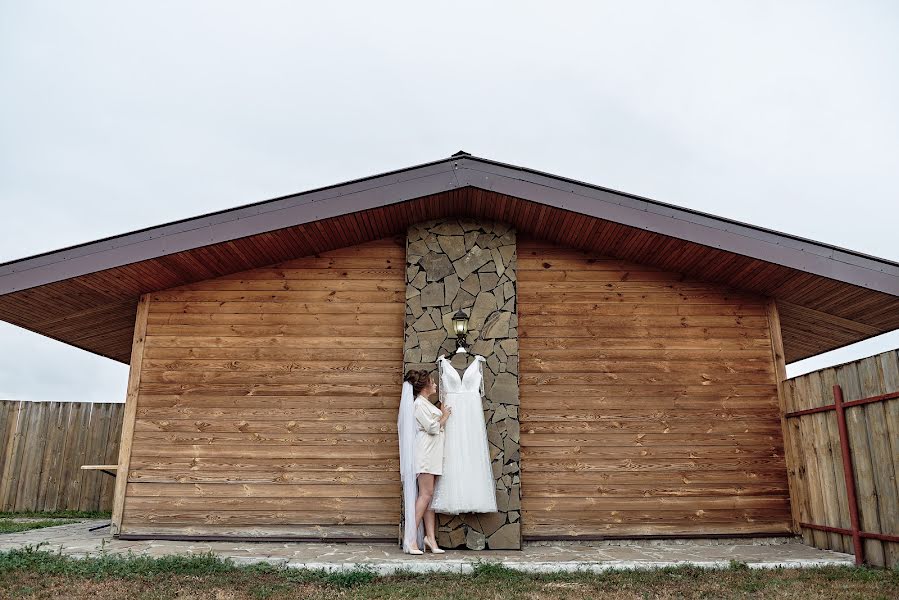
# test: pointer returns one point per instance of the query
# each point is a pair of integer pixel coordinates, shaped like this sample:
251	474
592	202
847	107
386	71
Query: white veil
405	425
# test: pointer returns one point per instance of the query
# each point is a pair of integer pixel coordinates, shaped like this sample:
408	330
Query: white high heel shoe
434	549
415	551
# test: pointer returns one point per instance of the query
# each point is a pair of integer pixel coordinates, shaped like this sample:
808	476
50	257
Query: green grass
57	514
35	572
37	560
8	526
13	522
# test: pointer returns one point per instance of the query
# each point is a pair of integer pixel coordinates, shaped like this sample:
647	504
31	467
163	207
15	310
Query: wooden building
635	350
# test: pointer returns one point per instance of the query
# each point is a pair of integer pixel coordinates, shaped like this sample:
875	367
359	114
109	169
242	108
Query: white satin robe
429	437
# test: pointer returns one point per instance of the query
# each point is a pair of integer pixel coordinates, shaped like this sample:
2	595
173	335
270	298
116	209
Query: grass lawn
13	522
15	525
33	573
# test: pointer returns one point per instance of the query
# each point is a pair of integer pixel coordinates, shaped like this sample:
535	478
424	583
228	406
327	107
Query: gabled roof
85	294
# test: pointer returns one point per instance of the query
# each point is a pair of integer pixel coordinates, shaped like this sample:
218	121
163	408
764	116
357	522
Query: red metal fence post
850	476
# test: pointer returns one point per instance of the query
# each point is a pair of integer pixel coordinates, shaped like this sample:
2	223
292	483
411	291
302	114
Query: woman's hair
418	379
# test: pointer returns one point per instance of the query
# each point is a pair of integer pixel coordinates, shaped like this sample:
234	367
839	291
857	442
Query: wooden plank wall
267	402
874	445
43	447
648	402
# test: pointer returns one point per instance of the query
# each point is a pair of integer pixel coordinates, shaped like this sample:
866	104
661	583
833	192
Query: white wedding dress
466	485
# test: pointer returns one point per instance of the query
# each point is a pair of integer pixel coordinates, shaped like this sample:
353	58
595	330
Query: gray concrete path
75	540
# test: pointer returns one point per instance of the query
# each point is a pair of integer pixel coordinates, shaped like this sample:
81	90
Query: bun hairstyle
418	379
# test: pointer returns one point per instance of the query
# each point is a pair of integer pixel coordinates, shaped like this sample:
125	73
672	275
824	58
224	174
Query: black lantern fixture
460	328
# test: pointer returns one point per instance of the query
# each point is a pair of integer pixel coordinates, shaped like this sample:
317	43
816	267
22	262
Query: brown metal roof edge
443	175
210	215
698	213
808	256
226	225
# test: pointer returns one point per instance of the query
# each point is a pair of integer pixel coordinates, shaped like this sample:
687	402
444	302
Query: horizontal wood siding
648	402
267	401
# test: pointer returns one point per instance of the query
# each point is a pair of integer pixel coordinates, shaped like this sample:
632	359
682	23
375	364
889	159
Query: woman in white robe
428	457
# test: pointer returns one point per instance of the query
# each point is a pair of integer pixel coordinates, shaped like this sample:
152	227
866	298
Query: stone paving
75	540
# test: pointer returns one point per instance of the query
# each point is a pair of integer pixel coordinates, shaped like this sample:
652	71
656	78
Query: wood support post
780	372
137	354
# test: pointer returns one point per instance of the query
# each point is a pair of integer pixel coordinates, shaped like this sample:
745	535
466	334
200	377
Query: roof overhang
103	272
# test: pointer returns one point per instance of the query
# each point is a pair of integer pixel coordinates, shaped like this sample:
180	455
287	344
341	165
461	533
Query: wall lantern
460	328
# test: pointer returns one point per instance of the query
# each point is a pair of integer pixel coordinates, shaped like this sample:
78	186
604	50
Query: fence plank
9	474
82	431
89	478
793	445
48	475
862	462
6	410
882	457
17	458
35	444
111	454
827	380
101	422
69	447
53	500
889	367
808	431
824	457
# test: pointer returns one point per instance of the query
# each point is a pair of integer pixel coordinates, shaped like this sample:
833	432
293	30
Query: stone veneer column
471	264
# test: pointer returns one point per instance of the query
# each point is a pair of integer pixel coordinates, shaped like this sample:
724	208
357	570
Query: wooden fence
818	479
43	446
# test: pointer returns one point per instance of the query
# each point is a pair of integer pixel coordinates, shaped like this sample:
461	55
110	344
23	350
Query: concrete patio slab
763	553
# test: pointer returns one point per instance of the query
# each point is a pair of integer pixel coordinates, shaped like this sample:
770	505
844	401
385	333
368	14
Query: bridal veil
406	429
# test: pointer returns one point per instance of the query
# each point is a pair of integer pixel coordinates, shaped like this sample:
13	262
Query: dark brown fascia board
441	176
226	225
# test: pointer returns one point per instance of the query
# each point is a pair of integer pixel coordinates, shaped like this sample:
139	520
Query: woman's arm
428	422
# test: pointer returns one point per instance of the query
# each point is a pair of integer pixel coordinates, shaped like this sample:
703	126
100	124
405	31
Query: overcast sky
115	117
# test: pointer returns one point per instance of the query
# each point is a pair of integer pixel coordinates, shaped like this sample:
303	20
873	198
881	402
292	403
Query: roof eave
441	176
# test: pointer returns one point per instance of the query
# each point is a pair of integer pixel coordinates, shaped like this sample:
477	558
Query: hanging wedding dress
467	482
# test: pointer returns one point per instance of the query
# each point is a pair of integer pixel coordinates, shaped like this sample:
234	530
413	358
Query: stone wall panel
471	264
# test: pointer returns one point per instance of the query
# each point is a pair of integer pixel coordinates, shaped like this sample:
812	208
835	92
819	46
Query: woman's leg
431	521
425	493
